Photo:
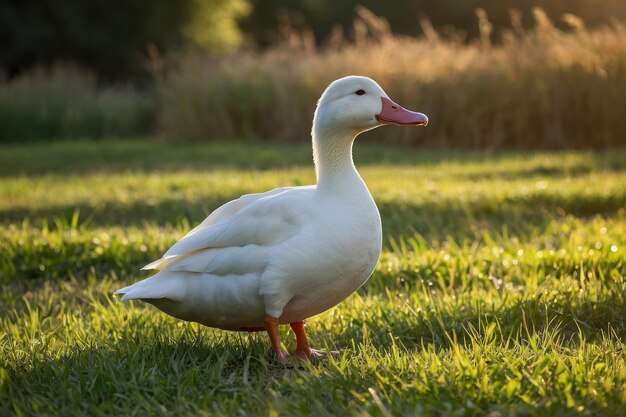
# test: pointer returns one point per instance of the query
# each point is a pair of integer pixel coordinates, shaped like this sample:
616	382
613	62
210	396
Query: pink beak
393	113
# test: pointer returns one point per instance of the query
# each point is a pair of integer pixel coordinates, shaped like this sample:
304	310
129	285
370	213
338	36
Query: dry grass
542	88
533	89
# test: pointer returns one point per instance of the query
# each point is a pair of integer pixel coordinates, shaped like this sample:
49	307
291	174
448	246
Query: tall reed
539	88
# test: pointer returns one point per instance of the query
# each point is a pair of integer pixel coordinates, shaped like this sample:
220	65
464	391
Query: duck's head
355	104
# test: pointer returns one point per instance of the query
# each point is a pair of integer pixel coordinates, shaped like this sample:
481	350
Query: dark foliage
108	36
263	24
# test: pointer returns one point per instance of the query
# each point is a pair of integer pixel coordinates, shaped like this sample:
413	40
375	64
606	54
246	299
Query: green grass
500	290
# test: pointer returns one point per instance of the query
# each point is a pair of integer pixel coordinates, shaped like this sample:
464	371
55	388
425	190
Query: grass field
501	289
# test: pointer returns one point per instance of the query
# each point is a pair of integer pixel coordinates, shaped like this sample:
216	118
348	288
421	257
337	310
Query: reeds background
538	88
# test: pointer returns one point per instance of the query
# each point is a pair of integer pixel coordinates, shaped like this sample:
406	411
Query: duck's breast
334	255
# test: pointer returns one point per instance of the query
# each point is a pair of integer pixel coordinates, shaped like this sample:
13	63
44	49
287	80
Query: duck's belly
310	275
344	270
222	309
224	302
308	304
234	304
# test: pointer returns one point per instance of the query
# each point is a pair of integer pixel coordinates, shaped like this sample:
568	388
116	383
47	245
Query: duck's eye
359	92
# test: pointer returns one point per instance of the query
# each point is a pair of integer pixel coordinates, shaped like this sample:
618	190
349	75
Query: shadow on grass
137	376
84	157
435	221
148	365
138	366
432	219
568	318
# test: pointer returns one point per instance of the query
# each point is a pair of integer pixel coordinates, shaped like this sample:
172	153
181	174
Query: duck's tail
162	264
162	285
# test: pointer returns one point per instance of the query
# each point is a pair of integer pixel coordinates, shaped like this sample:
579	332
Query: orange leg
302	342
271	327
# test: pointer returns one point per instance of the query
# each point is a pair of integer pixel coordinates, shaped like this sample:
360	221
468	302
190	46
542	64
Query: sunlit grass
500	290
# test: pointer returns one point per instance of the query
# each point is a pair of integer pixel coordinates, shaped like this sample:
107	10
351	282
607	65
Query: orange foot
303	349
271	327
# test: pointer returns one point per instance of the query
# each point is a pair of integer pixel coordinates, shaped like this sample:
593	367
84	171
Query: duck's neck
332	154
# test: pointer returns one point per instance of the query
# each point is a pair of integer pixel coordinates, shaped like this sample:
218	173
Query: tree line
113	37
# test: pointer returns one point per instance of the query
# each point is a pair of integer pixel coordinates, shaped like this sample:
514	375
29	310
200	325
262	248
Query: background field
542	82
500	291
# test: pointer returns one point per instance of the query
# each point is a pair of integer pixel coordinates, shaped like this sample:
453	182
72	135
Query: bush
543	88
112	37
67	103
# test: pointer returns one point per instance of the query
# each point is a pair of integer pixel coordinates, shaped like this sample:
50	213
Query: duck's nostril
394	107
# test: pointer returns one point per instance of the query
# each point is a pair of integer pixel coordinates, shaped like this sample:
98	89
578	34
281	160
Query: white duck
291	253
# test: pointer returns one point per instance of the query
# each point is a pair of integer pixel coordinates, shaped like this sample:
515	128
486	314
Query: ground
500	290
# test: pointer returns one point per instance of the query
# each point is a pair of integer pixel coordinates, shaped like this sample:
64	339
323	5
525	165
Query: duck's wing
234	236
234	206
221	213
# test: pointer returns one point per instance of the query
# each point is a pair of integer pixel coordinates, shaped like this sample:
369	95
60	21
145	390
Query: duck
285	255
